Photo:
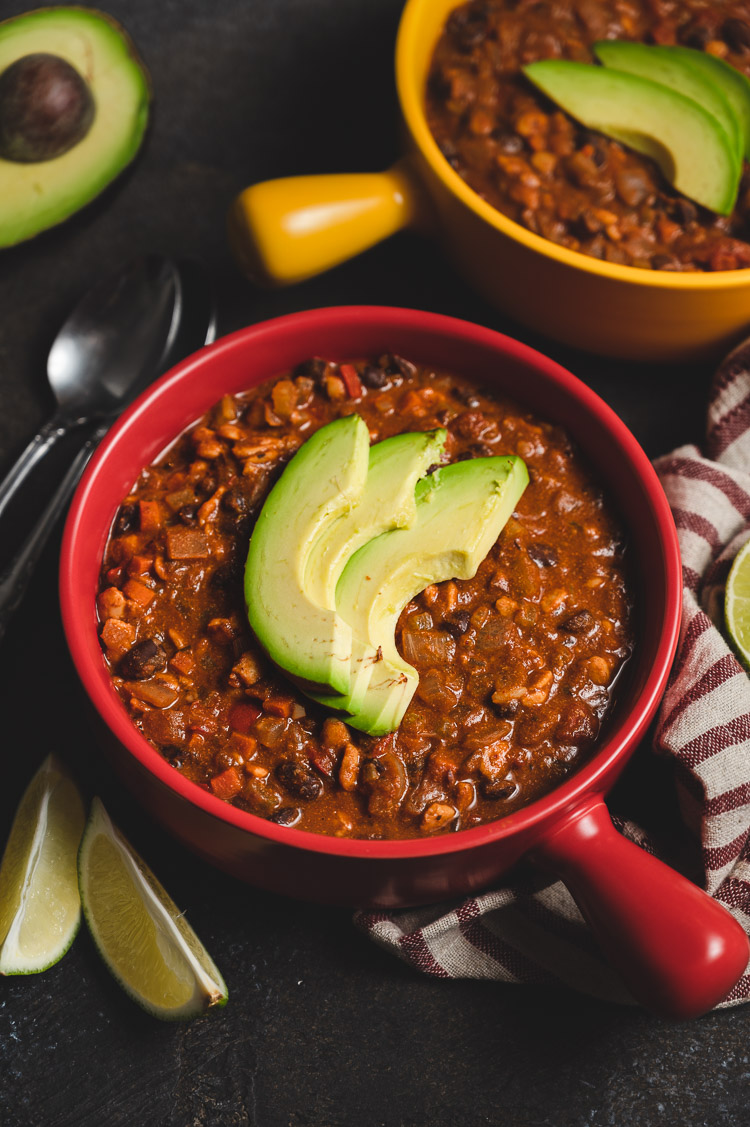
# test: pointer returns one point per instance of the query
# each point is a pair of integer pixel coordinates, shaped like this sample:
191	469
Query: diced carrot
186	543
278	706
138	592
150	516
352	382
140	565
245	745
227	784
242	716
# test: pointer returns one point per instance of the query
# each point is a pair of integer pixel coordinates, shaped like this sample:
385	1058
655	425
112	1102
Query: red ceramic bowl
642	911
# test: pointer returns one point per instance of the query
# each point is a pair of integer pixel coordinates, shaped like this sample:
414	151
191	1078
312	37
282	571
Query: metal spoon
120	329
192	326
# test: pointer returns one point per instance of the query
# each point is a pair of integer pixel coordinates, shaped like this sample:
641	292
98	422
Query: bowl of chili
566	231
641	910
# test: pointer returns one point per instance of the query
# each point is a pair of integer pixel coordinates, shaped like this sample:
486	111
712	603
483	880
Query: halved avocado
461	510
693	150
661	64
74	103
324	480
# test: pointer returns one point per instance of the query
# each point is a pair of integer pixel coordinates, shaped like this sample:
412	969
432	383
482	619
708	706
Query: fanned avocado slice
661	64
54	161
461	510
324	480
734	84
692	149
388	501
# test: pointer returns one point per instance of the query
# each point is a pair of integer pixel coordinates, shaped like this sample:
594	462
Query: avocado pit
46	107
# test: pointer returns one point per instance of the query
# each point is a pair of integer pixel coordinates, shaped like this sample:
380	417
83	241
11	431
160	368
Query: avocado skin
37	195
692	149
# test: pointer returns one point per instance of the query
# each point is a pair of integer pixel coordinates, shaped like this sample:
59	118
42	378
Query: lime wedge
737	604
142	936
40	911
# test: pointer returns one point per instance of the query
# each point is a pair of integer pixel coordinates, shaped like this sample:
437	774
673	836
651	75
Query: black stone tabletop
322	1029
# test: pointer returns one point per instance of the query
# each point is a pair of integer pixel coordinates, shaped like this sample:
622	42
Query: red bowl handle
678	951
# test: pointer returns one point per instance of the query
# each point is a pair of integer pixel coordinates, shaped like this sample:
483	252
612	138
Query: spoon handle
40	445
15	578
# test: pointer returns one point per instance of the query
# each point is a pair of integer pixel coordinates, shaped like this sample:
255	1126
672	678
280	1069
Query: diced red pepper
323	758
114	575
242	716
351	379
227	784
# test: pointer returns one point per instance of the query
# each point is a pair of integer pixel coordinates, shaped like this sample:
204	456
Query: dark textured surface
322	1028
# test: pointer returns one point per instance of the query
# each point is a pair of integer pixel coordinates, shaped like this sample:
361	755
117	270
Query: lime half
737	603
142	936
40	911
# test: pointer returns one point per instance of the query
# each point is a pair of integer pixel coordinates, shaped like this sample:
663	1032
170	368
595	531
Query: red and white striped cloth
531	930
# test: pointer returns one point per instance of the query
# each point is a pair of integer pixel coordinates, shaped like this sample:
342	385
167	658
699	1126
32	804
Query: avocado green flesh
324	479
39	195
733	83
692	149
388	501
461	510
660	65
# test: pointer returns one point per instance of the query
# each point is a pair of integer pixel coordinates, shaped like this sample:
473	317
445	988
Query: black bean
286	816
467	26
542	554
736	34
504	788
460	623
684	211
299	779
127	519
142	660
695	35
466	395
314	368
188	514
509	143
374	377
236	501
585	225
506	711
580	622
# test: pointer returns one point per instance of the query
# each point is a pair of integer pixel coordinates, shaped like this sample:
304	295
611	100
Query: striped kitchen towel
531	930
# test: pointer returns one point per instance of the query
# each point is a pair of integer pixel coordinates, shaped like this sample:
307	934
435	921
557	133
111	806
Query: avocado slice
388	501
733	83
660	64
692	149
53	163
461	510
324	480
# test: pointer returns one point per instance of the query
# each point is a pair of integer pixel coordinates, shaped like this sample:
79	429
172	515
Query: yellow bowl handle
283	231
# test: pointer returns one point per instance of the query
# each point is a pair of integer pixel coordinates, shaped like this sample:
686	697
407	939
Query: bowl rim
410	35
80	628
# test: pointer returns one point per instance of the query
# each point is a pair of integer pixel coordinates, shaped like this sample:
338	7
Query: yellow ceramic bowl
283	231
